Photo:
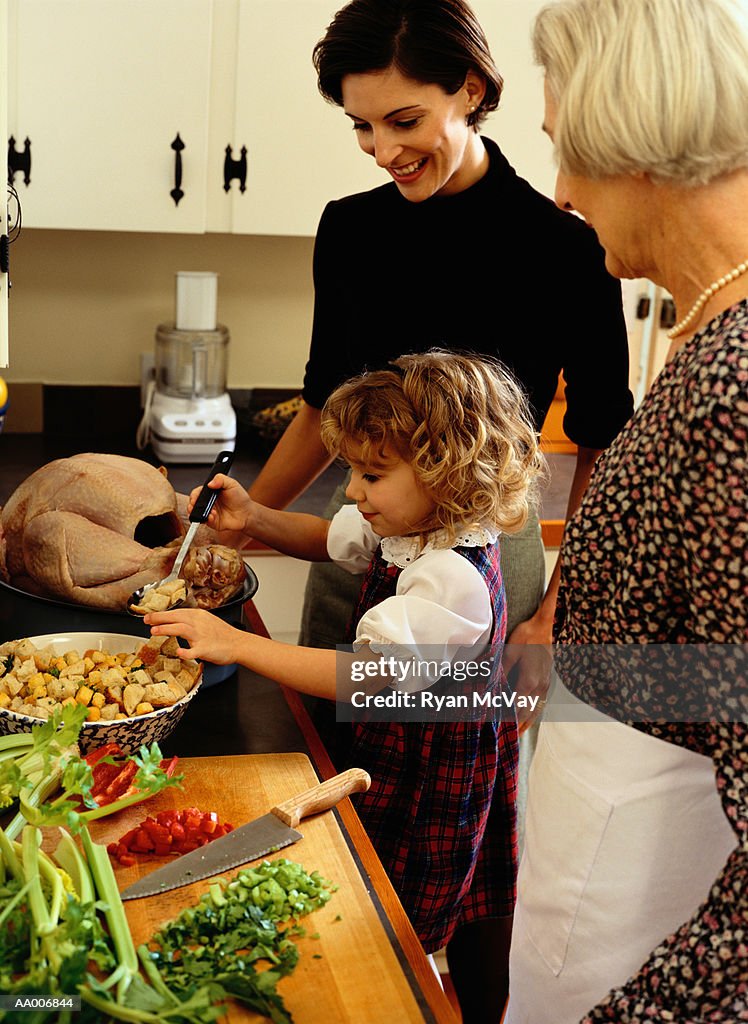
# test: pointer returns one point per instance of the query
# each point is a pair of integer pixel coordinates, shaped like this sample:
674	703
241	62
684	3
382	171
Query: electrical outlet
147	374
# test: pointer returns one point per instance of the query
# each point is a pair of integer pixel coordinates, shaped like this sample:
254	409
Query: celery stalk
8	853
37	903
107	890
51	875
42	787
14	740
13	753
69	857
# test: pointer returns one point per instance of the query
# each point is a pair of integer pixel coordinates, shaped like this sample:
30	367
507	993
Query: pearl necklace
705	296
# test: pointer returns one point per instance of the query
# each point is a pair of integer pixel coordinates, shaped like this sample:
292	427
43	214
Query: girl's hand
233	508
209	637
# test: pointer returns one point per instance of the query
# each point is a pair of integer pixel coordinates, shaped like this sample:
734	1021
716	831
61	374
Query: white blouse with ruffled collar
441	599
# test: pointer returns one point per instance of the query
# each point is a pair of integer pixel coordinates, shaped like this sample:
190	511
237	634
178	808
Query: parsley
234	927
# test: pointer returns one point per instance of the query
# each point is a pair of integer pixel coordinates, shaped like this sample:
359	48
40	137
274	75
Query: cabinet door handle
177	193
19	161
235	169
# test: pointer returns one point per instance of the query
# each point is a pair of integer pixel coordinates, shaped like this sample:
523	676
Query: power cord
143	434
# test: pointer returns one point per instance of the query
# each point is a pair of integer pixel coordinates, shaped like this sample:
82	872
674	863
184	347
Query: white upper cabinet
101	89
4	207
301	151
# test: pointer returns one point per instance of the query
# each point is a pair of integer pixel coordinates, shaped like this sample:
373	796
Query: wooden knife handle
322	797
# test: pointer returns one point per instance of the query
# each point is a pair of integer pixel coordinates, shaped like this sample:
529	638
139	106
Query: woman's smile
408	172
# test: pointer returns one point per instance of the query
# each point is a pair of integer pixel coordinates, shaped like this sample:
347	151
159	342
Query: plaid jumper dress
441	810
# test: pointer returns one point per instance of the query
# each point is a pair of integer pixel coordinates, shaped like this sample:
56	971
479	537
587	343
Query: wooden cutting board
352	973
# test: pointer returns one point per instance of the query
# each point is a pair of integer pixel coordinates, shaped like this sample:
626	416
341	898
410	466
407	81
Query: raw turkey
93	528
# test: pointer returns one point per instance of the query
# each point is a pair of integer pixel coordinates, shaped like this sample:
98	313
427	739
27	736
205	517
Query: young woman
456	251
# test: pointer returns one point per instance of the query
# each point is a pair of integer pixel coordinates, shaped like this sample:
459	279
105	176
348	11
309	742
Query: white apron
625	834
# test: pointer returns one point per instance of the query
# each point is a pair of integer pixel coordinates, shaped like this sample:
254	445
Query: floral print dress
658	554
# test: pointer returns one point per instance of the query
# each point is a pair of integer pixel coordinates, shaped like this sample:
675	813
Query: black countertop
244	714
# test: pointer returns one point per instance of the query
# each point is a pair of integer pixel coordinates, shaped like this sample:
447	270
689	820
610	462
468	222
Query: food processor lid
196	300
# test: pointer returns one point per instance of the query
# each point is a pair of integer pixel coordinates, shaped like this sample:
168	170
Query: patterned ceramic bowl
129	733
23	614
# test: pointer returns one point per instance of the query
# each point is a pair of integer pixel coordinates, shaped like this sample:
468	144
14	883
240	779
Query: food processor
188	416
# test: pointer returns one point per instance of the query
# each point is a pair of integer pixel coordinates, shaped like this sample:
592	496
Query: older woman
633	890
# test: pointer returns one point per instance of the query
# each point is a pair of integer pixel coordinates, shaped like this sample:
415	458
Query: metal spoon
206	499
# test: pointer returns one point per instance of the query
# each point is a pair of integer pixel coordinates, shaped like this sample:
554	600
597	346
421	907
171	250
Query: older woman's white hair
653	86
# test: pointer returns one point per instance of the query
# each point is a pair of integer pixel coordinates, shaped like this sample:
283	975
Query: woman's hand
527	663
233	509
208	637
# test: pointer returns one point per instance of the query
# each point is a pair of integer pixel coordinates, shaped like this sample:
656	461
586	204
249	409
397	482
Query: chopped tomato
169	832
159	833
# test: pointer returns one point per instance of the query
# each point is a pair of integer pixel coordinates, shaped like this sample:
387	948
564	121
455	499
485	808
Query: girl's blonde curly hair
460	420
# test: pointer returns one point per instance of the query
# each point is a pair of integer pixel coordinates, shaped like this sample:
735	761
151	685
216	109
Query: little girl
443	459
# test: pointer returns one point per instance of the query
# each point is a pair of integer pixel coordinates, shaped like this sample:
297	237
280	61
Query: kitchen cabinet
101	89
106	91
4	211
301	149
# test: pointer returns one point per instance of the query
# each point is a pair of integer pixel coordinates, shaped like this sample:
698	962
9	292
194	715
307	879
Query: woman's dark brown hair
431	41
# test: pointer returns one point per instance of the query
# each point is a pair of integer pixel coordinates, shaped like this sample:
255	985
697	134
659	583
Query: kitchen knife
249	842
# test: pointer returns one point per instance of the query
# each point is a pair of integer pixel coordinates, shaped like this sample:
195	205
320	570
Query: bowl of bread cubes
136	690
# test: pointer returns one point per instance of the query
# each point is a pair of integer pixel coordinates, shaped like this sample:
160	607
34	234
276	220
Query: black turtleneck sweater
496	269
